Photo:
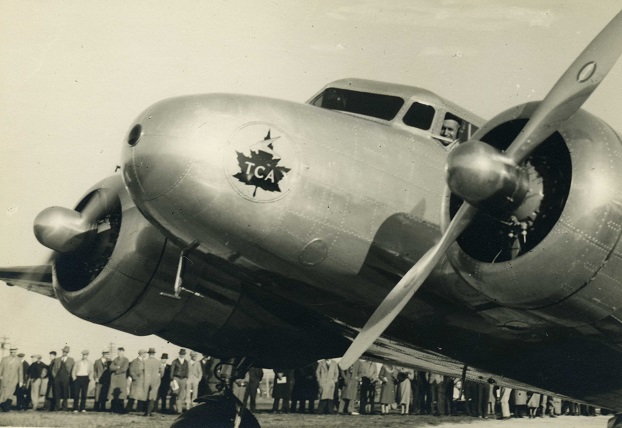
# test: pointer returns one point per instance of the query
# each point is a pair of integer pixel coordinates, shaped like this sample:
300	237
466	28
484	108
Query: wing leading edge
37	279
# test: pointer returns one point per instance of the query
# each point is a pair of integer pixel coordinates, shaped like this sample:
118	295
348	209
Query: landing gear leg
221	409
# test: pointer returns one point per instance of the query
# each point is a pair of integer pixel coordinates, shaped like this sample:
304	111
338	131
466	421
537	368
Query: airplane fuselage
335	208
309	207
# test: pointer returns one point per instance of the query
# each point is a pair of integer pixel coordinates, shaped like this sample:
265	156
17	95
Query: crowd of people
147	384
368	388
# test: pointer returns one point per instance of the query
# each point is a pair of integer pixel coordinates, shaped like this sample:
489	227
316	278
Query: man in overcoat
153	371
137	388
327	375
118	381
11	375
195	374
21	393
165	381
50	398
349	390
101	374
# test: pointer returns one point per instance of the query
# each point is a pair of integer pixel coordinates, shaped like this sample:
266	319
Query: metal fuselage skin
340	181
336	208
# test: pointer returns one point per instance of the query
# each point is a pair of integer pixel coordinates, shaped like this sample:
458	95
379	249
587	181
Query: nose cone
481	175
190	162
152	160
152	169
168	137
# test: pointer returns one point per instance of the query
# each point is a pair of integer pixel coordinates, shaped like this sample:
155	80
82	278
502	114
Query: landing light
135	135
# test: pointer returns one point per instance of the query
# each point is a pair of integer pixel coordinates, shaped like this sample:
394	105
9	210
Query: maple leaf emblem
261	169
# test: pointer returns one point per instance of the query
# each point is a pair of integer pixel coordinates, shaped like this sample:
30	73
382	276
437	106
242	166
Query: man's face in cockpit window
450	129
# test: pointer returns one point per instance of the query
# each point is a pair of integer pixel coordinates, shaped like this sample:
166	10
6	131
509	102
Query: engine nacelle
117	279
559	253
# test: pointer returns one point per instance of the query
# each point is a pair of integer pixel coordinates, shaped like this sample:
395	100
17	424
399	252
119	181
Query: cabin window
419	116
364	103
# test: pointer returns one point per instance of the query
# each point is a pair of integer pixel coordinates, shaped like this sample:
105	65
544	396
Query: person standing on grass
11	376
118	381
81	374
153	373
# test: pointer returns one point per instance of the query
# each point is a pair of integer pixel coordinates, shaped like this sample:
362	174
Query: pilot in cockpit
450	130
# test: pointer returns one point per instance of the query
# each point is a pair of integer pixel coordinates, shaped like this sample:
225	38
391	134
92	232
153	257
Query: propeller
488	179
65	230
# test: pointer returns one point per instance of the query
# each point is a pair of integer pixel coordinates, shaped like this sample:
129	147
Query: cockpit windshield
364	103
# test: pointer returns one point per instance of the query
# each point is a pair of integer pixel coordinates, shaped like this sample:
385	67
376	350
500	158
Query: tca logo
261	168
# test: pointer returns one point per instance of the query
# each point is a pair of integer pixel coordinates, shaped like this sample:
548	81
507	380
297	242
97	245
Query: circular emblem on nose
261	162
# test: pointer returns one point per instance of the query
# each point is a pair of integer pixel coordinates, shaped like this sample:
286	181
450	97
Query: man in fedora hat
118	381
153	372
11	375
137	388
50	398
21	393
179	373
165	381
61	371
81	375
101	374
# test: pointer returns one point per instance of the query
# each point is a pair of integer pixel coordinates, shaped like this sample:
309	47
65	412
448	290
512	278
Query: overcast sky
75	74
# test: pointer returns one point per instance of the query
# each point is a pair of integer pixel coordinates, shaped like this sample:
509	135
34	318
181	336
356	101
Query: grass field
268	420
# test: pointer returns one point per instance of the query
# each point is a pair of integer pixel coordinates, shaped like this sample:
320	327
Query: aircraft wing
421	359
37	279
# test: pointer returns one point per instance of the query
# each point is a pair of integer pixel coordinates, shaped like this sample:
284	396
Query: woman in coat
388	377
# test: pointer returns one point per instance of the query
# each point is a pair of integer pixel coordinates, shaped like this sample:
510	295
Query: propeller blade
571	90
102	202
562	102
406	287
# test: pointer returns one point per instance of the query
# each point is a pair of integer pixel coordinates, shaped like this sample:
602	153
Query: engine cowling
559	252
116	279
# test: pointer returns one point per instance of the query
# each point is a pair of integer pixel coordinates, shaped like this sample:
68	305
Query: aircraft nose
150	167
157	152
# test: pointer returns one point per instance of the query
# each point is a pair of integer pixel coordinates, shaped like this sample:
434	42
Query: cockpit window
455	129
363	103
420	116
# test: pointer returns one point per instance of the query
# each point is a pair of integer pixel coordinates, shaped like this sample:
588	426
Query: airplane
272	233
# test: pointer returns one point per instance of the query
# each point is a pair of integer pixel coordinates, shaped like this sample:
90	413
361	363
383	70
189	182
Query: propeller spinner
65	230
491	180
